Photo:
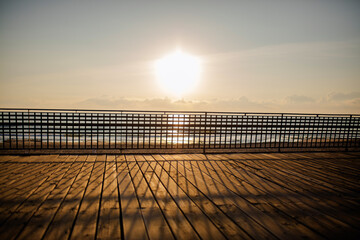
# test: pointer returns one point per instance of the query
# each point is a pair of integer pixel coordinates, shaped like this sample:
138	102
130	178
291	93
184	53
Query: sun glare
178	73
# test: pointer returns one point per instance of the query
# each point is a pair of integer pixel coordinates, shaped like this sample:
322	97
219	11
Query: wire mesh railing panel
92	129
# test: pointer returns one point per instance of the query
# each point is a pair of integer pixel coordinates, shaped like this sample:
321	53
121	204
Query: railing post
348	134
29	131
281	123
204	149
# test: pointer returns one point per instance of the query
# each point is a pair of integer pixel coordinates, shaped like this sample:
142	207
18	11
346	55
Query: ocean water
171	137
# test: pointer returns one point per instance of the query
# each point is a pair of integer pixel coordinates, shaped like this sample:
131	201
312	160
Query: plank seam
101	194
119	199
137	198
82	198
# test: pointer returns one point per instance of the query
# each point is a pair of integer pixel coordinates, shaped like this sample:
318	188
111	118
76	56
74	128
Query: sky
256	56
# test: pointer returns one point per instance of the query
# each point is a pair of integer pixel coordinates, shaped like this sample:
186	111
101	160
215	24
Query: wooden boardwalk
183	196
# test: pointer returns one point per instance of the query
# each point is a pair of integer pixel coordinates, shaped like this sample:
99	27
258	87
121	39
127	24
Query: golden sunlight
178	73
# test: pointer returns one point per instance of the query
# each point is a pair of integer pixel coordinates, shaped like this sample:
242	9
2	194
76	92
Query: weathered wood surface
181	196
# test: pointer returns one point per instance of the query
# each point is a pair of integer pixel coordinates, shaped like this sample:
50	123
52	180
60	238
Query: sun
178	73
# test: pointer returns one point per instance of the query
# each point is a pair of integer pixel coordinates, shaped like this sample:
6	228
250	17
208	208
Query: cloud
299	99
240	104
335	102
332	103
337	96
133	103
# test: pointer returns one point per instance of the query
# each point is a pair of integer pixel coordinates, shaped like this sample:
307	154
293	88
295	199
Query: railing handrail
173	111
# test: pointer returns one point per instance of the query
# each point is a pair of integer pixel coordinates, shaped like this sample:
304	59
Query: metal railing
111	129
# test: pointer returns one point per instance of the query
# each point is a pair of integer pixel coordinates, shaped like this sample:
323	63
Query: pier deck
181	196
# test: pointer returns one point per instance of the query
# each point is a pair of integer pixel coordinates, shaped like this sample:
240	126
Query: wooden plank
337	162
28	165
12	179
295	204
327	203
86	222
352	158
61	225
264	217
18	220
8	158
132	220
349	160
109	219
296	170
239	184
20	168
155	222
329	181
329	167
30	172
331	171
202	223
179	224
10	174
199	192
8	163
